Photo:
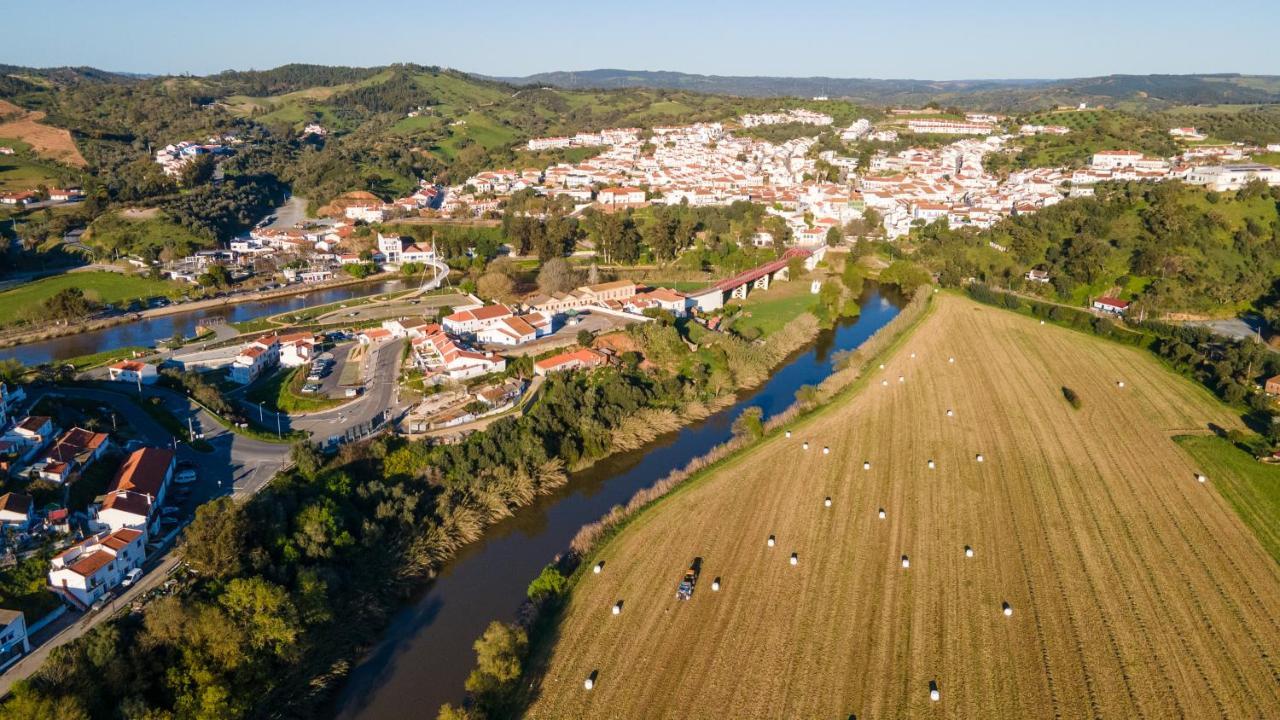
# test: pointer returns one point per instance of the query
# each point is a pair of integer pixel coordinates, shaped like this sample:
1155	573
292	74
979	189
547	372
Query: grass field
283	392
23	302
1136	591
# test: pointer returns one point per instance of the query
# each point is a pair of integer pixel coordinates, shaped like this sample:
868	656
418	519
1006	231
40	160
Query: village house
132	372
465	322
1232	177
375	336
297	348
254	359
87	571
32	433
515	330
441	358
9	401
659	298
16	511
620	196
600	295
73	452
138	490
1272	386
1110	305
582	359
13	637
1039	276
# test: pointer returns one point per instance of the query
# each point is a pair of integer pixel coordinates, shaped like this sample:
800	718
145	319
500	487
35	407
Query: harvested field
1134	591
46	140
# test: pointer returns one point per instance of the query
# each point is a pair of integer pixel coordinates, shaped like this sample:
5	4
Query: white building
138	490
254	359
471	321
85	572
515	330
132	372
13	637
1232	177
16	511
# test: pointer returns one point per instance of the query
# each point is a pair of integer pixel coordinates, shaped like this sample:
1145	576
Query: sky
924	39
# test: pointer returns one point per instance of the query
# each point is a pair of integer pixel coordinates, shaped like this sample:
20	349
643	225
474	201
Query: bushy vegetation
1165	246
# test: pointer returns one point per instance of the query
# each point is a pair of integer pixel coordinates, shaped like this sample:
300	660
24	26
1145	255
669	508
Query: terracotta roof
143	471
16	503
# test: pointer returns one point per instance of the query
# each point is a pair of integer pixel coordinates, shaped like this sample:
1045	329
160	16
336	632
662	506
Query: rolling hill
1145	91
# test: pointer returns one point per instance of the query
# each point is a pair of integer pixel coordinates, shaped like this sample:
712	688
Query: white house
9	401
441	357
661	298
368	212
254	359
515	330
1232	177
620	196
132	372
16	511
1110	305
476	319
85	572
13	637
138	490
297	349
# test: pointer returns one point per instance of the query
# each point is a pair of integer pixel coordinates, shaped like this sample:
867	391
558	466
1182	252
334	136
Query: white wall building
85	572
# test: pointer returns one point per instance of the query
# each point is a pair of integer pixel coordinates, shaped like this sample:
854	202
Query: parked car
183	477
131	577
170	511
352	392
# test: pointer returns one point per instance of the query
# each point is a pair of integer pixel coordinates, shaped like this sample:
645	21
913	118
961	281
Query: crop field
1134	590
48	141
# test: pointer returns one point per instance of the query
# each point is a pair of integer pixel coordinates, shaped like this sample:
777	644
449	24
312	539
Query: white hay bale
979	458
795	559
1200	477
1119	383
590	682
805	445
771	541
950	413
715	585
968	551
902	378
1041	322
882	515
934	695
932	465
913	356
599	566
827	502
906	561
866	464
885	383
881	366
826	450
951	360
788	433
1007	609
617	608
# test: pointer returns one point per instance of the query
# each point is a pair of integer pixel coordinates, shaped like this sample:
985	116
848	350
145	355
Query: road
380	402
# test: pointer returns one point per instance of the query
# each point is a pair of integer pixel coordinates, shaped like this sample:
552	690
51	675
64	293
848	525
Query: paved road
379	403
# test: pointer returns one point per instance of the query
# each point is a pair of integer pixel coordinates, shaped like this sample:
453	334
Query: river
426	654
148	331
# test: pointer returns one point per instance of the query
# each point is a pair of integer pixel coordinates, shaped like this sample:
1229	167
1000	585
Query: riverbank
35	336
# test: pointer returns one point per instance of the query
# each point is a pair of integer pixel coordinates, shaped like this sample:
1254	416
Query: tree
360	270
213	543
550	585
500	660
496	286
307	458
197	171
906	275
68	304
749	424
262	610
834	237
585	338
215	276
557	275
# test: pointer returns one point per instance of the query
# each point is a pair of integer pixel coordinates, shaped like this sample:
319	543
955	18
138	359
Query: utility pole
278	433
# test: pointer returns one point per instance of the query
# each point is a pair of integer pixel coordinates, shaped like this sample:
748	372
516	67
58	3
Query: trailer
684	590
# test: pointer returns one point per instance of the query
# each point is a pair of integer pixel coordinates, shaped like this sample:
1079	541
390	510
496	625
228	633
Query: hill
1135	591
1145	91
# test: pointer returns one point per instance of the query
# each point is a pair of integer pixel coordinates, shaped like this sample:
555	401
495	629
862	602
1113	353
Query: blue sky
838	38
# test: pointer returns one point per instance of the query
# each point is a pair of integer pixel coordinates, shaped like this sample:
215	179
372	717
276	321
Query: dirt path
1136	592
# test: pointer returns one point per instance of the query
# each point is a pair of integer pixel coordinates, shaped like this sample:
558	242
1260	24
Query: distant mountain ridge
1148	91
